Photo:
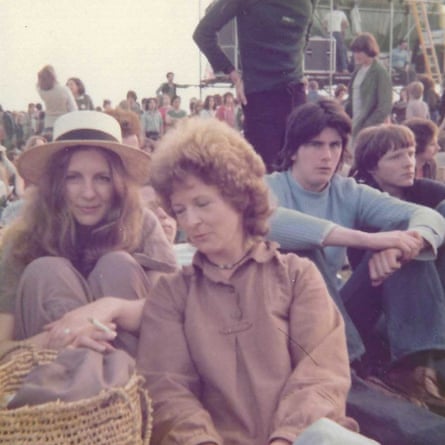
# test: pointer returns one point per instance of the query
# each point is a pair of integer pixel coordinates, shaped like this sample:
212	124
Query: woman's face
73	87
89	188
212	225
396	169
152	201
430	151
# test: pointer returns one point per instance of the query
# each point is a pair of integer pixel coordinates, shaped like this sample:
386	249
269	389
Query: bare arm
399	239
7	334
111	311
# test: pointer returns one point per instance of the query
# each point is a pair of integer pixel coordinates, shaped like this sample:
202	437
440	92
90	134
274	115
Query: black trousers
265	117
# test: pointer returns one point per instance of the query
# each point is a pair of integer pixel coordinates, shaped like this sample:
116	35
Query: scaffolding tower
420	16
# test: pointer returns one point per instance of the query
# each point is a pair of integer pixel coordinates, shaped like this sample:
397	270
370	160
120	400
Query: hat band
87	134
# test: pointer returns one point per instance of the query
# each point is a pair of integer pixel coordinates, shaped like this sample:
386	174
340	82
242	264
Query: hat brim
33	163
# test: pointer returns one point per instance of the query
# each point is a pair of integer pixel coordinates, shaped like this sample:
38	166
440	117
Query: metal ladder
420	16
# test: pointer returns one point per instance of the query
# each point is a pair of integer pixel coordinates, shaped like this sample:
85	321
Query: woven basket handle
147	409
145	405
12	346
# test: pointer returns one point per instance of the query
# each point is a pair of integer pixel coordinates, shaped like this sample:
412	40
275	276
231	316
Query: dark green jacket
376	94
271	34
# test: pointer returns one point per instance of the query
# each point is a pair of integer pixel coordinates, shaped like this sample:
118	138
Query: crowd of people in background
358	185
146	120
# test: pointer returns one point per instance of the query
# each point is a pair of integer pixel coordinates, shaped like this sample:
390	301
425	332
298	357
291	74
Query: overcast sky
112	45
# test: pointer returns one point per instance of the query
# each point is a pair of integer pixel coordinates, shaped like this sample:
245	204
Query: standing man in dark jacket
272	35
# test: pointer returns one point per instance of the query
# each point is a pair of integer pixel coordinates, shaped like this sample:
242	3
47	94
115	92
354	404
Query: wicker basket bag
118	416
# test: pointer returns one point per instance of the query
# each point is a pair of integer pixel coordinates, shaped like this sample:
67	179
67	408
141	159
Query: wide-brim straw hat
84	128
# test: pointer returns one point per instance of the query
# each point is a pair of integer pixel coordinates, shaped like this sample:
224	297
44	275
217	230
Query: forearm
7	341
6	326
127	314
342	236
295	230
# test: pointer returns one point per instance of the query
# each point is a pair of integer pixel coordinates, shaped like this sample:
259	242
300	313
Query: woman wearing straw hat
83	233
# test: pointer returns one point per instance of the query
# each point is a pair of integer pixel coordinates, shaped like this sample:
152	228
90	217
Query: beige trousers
51	287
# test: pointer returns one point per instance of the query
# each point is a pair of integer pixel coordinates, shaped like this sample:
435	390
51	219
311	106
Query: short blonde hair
415	90
218	155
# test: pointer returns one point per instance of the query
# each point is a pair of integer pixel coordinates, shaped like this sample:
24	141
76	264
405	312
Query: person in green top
272	36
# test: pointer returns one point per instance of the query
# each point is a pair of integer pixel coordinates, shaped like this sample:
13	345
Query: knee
118	274
441	208
116	261
117	265
320	432
327	432
45	266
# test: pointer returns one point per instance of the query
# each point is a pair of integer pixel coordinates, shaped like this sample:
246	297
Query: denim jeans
412	301
392	421
414	290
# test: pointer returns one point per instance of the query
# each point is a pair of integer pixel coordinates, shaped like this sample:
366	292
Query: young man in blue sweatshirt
398	283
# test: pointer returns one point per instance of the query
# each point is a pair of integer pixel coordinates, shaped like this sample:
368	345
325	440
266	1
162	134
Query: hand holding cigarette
99	325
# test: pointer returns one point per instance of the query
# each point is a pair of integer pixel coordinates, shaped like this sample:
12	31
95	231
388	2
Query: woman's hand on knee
83	321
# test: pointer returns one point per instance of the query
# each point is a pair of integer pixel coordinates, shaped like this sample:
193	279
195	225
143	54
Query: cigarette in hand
101	326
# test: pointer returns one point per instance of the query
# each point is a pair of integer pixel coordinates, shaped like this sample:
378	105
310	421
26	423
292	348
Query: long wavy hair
47	227
80	85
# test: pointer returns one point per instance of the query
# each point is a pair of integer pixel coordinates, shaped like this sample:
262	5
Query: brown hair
425	130
366	43
48	228
308	121
128	120
46	78
373	143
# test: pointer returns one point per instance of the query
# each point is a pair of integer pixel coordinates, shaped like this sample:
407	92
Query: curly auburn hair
219	156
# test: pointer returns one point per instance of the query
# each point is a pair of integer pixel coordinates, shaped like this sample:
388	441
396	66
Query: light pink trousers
51	286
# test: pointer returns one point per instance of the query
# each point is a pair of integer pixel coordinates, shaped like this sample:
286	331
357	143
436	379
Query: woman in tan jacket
244	346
